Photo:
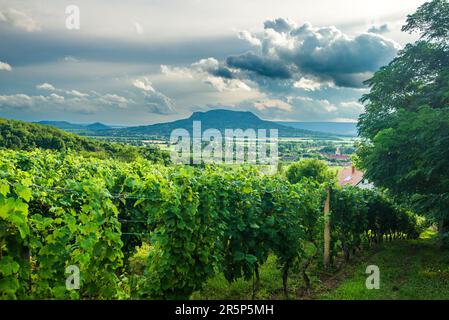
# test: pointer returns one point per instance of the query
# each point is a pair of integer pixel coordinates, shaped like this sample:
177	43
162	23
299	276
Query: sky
140	62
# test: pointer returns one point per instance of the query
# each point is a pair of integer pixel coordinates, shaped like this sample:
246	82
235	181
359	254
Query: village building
350	176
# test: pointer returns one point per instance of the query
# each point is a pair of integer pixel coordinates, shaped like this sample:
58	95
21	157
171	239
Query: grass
218	288
409	270
414	269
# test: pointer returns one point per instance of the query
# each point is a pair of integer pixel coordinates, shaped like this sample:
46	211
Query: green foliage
310	168
19	135
367	216
431	20
406	121
14	232
57	229
62	209
155	155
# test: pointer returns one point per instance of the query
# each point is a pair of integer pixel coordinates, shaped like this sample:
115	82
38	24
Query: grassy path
408	270
414	269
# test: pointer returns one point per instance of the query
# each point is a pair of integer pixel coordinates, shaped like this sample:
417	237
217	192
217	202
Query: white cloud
114	100
56	98
64	100
49	87
222	84
176	72
273	103
144	84
77	93
159	103
308	109
209	71
46	86
5	66
249	37
205	65
301	108
307	84
155	102
19	20
329	107
17	101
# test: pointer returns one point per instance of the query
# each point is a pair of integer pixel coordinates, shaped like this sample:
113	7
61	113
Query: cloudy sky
146	61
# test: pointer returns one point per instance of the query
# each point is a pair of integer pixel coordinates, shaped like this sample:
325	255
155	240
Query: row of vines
60	209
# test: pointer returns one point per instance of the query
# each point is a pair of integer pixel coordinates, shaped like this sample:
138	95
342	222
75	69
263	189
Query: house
350	176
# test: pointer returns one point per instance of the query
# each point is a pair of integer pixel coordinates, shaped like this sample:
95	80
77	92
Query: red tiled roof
350	176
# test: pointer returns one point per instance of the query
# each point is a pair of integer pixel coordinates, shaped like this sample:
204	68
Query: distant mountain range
215	119
220	119
64	125
340	128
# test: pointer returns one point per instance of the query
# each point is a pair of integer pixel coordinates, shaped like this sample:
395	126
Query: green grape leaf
23	192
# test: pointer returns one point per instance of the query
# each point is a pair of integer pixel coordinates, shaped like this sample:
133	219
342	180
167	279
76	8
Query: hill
97	126
19	135
218	119
340	128
68	126
64	125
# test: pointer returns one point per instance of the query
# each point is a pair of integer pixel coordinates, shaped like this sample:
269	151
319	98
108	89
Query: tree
156	155
406	120
431	20
310	168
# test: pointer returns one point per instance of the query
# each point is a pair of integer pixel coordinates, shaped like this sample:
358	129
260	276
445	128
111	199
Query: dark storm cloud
263	66
213	67
287	51
222	72
339	55
349	80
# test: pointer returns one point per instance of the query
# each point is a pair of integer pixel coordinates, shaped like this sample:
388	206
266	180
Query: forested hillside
19	135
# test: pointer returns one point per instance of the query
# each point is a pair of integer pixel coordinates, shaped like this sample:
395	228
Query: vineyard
60	209
94	204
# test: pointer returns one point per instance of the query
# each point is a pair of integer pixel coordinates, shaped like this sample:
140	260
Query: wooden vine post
327	229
